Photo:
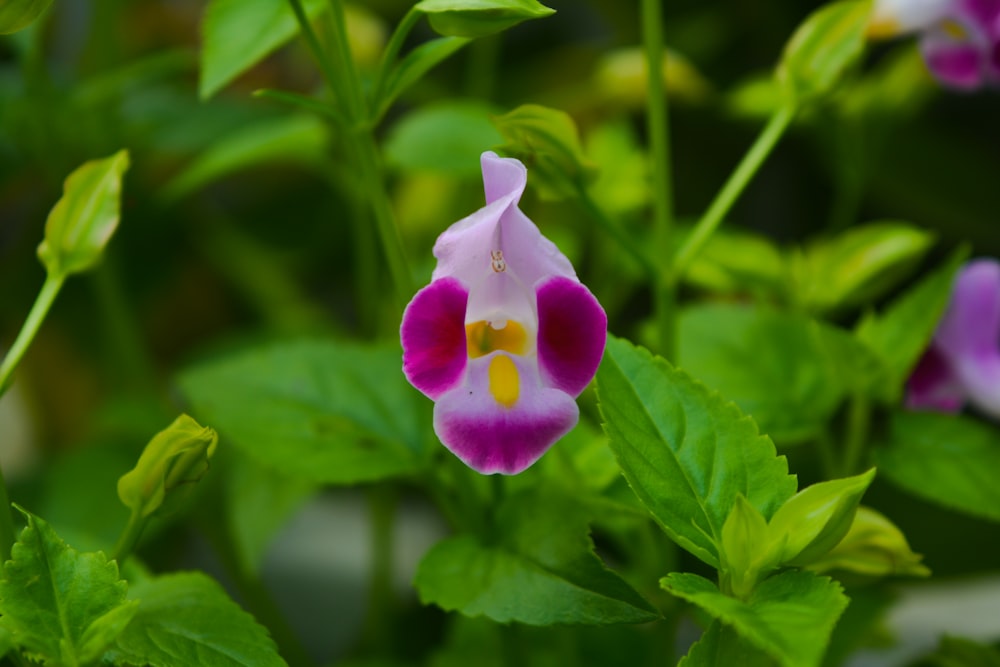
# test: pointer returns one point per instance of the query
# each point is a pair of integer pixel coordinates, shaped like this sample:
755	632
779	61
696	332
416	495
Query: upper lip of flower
505	336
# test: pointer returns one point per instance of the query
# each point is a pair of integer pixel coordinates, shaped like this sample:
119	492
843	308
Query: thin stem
615	231
858	422
357	110
659	138
826	456
391	51
332	80
732	189
129	537
43	303
385	220
382	504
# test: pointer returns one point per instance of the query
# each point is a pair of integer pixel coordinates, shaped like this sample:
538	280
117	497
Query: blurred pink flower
505	336
960	39
962	363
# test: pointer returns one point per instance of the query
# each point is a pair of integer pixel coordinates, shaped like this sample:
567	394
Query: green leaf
187	619
290	139
237	34
337	413
873	547
859	265
789	372
721	646
19	14
83	220
547	141
478	18
259	501
61	606
816	519
415	65
446	138
6	641
790	615
902	331
739	262
176	456
538	567
947	459
686	451
829	42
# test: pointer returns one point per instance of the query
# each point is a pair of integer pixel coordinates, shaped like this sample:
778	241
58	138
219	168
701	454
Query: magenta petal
572	331
971	324
954	64
433	337
491	438
933	385
982	12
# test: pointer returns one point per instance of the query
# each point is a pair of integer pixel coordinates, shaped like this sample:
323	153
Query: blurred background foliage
239	223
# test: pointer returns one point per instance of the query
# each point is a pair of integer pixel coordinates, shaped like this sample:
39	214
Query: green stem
47	295
346	85
129	537
130	355
332	80
615	231
355	95
858	422
737	182
659	138
385	220
389	55
43	302
382	504
826	456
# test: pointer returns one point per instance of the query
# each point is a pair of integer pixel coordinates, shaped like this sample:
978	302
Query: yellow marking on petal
482	338
955	30
882	28
504	381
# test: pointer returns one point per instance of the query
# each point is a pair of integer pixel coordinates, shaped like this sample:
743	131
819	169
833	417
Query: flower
505	336
963	360
960	39
890	18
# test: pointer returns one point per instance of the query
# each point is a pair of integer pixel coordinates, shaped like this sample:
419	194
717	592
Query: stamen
497	261
504	381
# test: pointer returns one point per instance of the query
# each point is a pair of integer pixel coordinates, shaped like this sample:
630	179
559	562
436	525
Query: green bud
175	456
19	14
548	143
815	519
478	18
747	550
83	220
827	44
875	547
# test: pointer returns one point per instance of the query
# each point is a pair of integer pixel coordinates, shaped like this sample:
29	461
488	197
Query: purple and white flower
962	363
960	39
505	336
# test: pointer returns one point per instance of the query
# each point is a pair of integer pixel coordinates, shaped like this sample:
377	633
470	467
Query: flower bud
175	456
